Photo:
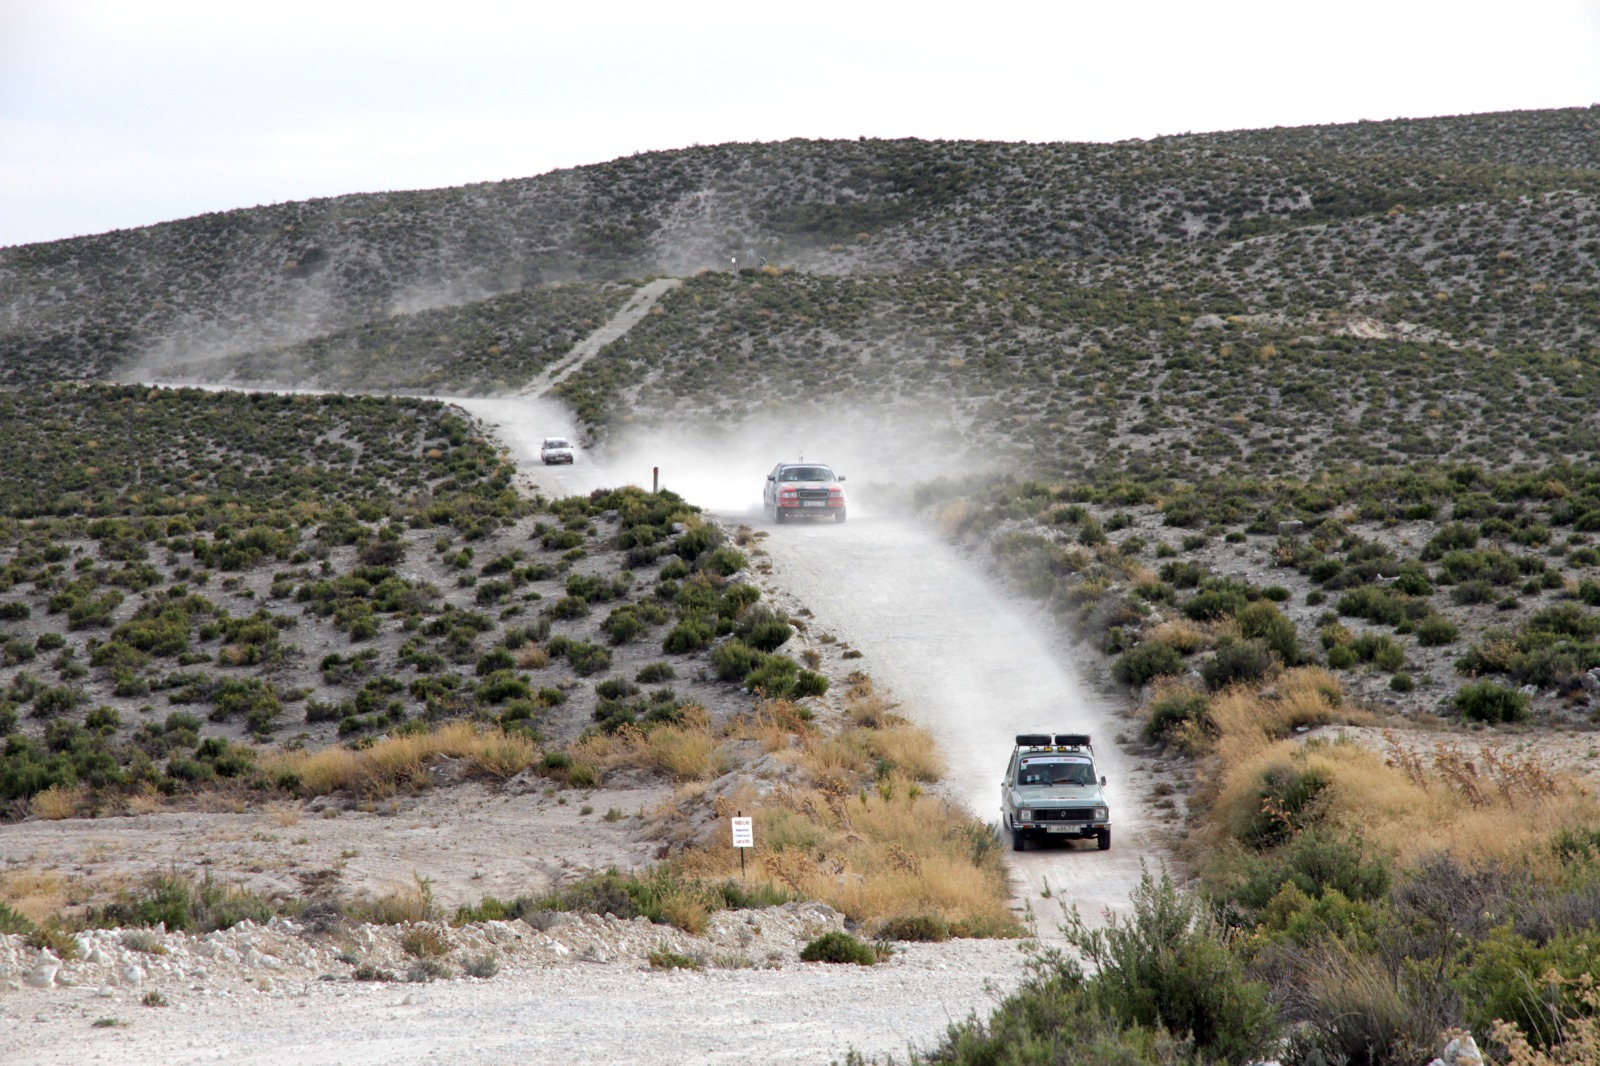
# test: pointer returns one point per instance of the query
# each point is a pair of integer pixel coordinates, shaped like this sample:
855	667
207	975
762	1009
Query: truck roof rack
1053	741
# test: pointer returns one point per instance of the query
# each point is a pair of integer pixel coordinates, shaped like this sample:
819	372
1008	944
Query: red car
803	490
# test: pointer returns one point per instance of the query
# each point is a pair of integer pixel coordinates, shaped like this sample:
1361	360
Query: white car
555	450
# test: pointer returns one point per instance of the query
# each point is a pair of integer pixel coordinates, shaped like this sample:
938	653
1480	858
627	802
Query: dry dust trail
620	323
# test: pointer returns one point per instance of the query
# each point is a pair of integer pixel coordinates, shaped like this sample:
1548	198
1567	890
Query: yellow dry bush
875	855
389	764
59	801
37	895
865	707
1180	634
910	749
837	761
1464	810
531	656
148	800
776	724
1245	720
397	906
688	750
952	516
687	909
319	772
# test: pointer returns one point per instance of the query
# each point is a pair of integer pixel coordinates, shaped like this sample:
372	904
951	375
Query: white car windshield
1055	772
556	442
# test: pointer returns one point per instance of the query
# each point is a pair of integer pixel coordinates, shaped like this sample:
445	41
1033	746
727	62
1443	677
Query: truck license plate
1063	829
814	503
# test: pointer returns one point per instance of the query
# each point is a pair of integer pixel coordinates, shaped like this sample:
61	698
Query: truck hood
1033	795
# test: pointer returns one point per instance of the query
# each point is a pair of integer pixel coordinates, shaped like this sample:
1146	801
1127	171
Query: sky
116	114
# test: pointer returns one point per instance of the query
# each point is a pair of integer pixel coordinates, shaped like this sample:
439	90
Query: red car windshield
806	473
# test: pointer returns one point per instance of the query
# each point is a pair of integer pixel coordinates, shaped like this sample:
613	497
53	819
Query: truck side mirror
1102	782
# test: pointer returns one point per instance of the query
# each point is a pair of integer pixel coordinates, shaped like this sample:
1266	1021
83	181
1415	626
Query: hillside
226	282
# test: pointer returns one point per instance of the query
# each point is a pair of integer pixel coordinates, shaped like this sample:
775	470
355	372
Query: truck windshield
1057	773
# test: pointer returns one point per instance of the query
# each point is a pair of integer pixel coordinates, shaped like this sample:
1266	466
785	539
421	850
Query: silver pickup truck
1052	791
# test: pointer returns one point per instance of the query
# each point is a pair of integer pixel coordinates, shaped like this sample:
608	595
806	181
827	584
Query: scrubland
1291	429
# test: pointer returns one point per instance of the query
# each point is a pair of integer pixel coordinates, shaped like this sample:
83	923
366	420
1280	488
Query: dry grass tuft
875	855
1410	801
1181	635
148	800
952	516
37	895
908	748
865	708
690	750
776	725
284	814
399	906
396	762
59	801
531	656
858	832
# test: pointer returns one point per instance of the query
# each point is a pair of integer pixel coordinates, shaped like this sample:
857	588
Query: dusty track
966	661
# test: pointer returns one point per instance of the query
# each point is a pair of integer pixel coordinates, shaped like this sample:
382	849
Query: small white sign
744	833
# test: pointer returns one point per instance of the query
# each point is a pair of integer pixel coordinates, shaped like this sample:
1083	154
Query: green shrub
1236	662
839	947
1145	662
654	673
1264	622
1287	804
915	928
1532	983
1212	604
663	959
183	904
687	636
1436	631
1175	709
1486	701
733	659
1169	964
764	630
725	560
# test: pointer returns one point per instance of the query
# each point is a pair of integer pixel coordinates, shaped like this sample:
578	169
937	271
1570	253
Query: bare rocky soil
579	988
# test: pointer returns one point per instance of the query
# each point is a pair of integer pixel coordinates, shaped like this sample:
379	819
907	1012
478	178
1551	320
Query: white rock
1463	1051
42	975
132	975
104	992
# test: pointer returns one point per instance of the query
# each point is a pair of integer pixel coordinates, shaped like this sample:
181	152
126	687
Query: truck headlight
1025	815
1100	814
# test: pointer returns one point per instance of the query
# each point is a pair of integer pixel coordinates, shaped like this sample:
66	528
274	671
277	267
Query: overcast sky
123	113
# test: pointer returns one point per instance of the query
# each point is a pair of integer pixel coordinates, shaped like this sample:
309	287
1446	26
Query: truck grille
1064	814
812	494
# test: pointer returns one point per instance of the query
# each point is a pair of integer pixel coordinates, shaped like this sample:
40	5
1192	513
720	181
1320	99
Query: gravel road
973	665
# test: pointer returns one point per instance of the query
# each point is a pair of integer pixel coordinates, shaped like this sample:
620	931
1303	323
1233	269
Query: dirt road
970	663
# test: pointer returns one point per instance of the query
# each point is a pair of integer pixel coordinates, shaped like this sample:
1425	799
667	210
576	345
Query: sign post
744	836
